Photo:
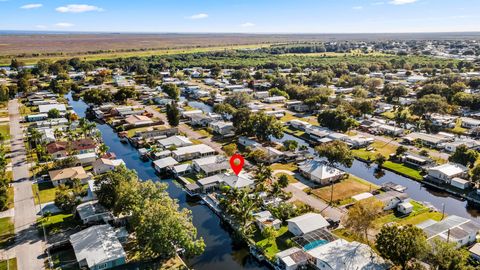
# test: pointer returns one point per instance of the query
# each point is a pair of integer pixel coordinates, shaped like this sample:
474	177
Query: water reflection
221	252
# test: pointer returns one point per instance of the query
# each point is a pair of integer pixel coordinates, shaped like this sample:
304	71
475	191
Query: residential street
29	247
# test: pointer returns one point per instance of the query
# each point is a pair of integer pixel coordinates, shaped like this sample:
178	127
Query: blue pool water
315	244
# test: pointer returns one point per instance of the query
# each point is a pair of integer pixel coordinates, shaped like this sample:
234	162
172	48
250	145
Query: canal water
221	252
453	206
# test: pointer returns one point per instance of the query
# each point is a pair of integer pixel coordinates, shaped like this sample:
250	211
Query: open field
29	60
344	190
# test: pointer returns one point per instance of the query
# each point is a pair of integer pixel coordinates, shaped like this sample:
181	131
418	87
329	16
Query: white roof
175	140
309	222
450	169
198	148
48	107
319	169
341	254
362	196
97	244
165	162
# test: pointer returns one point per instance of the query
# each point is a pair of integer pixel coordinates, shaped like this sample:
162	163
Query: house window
102	266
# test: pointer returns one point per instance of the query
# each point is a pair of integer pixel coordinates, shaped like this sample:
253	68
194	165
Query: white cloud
357	7
198	16
75	8
40	26
402	2
31	6
247	24
63	25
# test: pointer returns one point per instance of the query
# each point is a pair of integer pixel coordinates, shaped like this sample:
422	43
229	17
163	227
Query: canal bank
221	251
417	191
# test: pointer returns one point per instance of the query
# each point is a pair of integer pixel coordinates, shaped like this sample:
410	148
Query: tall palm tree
103	149
35	136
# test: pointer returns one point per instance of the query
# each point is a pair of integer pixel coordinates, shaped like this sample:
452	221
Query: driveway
317	204
29	247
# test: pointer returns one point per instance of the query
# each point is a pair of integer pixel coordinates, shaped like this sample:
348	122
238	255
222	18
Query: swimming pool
315	244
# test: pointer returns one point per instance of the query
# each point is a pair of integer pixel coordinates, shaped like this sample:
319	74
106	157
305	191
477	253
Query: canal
453	206
221	252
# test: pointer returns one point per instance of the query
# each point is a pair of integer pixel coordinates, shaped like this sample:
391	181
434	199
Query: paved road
29	247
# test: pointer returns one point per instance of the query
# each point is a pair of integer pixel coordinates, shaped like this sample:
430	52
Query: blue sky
248	16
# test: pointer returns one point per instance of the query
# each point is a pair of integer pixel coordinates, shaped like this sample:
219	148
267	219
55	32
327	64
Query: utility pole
331	192
443	212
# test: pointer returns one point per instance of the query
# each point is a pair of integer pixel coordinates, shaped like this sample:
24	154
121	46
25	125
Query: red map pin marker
236	162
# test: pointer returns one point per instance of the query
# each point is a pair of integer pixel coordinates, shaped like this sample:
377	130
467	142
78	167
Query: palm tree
103	149
57	133
35	136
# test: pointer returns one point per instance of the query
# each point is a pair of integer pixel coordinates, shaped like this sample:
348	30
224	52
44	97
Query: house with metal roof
446	172
341	254
98	247
192	152
211	165
175	141
319	172
455	229
161	165
292	258
306	223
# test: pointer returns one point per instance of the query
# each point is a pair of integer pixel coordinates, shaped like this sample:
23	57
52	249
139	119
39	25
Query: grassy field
6	231
5	131
403	169
272	246
10	264
379	147
58	222
419	214
344	190
47	192
5	60
288	167
458	129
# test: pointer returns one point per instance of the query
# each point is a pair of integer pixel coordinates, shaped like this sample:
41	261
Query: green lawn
272	246
458	129
379	147
419	214
56	223
403	169
12	264
47	192
280	166
6	231
5	131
